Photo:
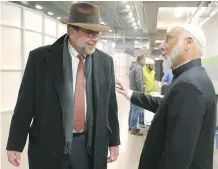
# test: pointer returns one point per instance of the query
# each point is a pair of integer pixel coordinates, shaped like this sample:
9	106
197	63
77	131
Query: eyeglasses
91	34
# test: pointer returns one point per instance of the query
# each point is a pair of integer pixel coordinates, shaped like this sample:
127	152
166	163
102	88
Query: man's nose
161	47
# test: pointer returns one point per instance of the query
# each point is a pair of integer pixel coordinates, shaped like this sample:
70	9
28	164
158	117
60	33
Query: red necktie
79	114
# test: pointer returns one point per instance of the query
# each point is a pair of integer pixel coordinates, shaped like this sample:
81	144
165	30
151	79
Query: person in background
149	76
136	83
167	77
182	132
166	81
150	85
68	90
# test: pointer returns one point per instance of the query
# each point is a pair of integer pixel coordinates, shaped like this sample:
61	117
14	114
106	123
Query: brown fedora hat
86	16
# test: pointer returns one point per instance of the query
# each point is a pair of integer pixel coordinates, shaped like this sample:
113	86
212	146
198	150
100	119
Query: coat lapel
97	66
54	61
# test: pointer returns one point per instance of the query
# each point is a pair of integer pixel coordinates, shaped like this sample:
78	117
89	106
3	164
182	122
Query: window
50	27
30	44
10	15
11	56
32	21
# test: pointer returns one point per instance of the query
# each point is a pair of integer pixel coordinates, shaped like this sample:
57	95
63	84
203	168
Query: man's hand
14	158
114	153
121	89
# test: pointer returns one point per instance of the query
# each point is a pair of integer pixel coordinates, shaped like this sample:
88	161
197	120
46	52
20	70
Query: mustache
92	44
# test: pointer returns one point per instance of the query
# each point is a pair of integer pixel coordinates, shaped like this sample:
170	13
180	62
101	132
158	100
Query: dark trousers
79	159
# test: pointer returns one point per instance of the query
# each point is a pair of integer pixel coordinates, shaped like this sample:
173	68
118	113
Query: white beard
168	62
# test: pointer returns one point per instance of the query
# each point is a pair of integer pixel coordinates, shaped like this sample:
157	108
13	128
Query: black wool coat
39	100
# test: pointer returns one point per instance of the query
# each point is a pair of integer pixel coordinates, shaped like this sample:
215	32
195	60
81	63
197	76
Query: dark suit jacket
181	135
39	100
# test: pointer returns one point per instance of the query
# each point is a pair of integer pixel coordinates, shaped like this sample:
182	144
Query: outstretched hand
121	88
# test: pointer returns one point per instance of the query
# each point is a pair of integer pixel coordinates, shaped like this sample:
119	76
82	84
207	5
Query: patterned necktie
79	114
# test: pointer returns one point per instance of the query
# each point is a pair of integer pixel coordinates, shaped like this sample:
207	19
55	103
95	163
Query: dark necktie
79	114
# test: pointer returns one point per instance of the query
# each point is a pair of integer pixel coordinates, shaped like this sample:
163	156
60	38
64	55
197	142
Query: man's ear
188	43
70	30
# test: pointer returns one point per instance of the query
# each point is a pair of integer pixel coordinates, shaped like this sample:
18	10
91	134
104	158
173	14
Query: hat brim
93	27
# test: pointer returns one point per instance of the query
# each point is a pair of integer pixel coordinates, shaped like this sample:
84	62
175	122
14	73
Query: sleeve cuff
129	95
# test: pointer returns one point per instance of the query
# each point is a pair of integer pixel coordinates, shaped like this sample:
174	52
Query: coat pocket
109	130
34	133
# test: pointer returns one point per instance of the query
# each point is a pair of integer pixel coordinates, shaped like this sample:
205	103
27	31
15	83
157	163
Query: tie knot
81	57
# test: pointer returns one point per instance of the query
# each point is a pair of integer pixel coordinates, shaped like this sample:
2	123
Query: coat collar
179	70
54	61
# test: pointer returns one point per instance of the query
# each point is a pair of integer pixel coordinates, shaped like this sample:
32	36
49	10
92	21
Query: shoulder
185	88
103	55
41	51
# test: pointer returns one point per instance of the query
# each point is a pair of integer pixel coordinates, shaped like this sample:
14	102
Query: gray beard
168	62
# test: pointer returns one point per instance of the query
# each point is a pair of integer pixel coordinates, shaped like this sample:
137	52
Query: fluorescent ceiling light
50	13
157	58
131	14
178	12
136	42
132	19
113	44
38	7
134	24
135	27
58	17
24	2
103	23
159	41
127	6
110	30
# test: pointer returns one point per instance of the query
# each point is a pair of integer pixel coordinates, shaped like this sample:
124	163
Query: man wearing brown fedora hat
68	92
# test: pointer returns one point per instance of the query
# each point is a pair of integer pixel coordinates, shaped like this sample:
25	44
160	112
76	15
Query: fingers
14	158
119	87
114	153
112	158
109	160
120	91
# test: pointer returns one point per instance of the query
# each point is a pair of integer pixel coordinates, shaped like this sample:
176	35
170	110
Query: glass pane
50	27
30	44
10	14
11	48
49	40
62	29
32	21
10	84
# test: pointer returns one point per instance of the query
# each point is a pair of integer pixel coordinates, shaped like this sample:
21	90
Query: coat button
54	154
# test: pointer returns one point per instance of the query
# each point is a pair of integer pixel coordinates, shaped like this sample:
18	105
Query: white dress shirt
75	63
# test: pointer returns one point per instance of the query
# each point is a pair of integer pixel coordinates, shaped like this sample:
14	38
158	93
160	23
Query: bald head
183	43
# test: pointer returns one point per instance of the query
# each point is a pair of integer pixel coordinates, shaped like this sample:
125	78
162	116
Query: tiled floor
129	150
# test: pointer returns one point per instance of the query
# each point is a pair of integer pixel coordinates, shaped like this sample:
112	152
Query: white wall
122	63
211	32
22	30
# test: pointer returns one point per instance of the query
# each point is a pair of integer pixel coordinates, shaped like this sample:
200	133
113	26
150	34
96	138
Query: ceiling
126	19
133	24
161	15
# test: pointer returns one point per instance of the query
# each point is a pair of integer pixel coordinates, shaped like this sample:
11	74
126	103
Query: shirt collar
184	67
72	50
